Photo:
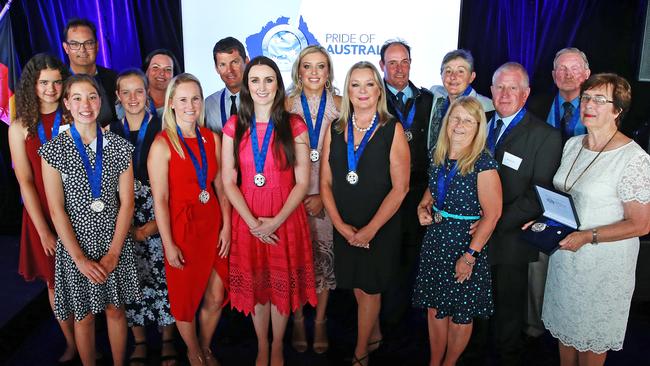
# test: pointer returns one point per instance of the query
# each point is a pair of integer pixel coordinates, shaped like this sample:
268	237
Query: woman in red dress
193	220
271	264
39	120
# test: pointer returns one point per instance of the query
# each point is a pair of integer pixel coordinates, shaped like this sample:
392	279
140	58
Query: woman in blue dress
453	280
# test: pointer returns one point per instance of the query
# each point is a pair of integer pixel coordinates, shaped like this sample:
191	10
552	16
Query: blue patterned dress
444	243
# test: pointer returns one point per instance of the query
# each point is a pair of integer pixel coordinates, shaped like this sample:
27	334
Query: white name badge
64	128
511	161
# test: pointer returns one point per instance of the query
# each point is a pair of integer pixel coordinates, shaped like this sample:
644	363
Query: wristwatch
473	252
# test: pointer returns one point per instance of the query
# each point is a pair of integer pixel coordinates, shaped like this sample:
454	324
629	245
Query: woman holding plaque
88	180
267	150
140	126
39	120
453	281
364	178
193	215
312	97
591	278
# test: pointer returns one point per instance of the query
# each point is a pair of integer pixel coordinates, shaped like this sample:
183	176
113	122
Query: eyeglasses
598	99
465	122
77	45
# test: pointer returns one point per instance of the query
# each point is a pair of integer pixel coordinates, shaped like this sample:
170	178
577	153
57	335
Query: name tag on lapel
511	161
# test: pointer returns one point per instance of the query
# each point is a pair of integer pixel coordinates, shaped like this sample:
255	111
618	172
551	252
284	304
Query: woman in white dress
591	280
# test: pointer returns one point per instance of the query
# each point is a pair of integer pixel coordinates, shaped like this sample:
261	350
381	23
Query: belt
448	215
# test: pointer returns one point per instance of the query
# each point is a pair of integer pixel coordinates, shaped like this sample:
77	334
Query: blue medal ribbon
260	155
492	142
571	126
201	170
406	123
94	175
314	130
445	177
354	156
445	105
141	133
55	128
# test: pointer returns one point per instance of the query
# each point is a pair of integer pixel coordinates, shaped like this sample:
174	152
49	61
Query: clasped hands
97	272
357	237
264	229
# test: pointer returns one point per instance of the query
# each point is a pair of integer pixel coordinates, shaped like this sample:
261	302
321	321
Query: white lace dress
588	293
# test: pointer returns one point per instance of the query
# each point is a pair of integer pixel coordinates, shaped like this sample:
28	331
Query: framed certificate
559	219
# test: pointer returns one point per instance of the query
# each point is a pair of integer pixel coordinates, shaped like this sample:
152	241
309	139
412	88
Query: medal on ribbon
94	175
259	156
354	156
445	176
201	170
314	128
406	122
493	142
55	128
137	185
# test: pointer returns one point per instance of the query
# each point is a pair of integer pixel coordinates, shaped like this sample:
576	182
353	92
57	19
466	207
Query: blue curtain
126	29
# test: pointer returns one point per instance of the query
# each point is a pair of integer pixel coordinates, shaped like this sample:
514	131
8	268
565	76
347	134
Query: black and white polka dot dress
73	292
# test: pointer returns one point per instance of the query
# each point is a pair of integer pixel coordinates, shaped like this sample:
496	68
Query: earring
299	83
328	84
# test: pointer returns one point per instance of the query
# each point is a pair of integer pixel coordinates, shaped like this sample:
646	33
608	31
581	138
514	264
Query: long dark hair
27	101
283	136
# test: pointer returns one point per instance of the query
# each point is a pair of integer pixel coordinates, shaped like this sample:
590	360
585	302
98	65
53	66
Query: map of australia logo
281	41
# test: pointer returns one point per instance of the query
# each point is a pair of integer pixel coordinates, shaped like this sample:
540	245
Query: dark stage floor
29	334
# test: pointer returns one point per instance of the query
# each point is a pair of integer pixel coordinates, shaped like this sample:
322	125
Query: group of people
173	203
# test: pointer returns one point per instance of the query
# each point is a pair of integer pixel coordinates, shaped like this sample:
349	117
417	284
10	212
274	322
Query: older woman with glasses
591	278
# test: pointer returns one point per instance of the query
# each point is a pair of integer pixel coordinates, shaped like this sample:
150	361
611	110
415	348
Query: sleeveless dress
444	243
195	228
373	270
153	307
33	263
283	273
588	292
321	225
74	293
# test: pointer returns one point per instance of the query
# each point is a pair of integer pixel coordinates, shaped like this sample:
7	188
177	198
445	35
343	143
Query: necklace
582	146
354	123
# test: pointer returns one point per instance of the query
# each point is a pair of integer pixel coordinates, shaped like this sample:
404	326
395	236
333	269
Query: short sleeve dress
588	292
320	225
33	263
444	243
195	228
283	273
373	270
74	293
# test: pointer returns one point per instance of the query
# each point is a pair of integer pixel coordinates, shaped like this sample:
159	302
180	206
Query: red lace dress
195	229
33	262
284	273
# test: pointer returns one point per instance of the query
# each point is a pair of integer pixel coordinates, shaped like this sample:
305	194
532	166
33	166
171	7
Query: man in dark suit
528	151
81	47
412	107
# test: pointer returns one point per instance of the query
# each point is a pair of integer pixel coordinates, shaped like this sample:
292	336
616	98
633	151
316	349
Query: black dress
373	270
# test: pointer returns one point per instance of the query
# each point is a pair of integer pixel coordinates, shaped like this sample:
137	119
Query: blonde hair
296	84
169	117
346	106
469	157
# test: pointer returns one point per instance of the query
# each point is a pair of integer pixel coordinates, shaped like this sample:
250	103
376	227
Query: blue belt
448	215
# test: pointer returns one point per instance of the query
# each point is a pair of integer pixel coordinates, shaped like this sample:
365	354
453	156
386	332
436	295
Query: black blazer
140	172
540	104
540	147
108	79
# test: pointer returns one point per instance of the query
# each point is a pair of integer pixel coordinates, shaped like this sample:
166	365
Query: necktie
233	105
399	99
494	135
564	122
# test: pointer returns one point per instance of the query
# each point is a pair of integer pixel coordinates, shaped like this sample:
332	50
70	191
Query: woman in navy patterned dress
453	280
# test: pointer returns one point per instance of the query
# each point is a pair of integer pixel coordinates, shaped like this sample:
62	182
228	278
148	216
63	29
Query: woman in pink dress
266	175
39	120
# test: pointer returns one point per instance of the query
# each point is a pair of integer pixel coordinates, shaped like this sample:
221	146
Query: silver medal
352	177
409	135
437	217
314	155
97	205
204	196
538	227
137	185
259	179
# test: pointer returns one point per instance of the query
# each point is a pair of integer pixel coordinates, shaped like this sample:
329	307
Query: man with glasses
457	73
412	107
229	61
570	70
81	47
